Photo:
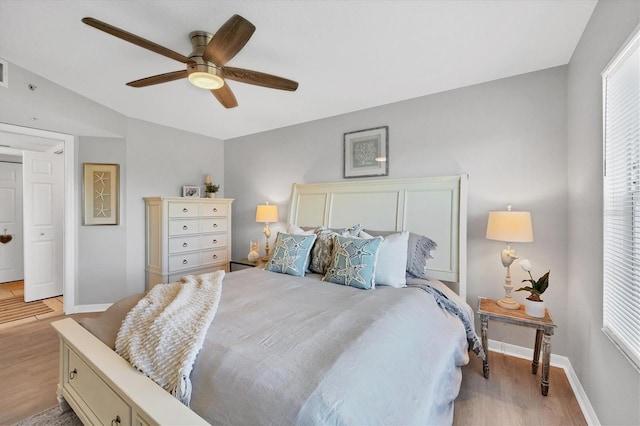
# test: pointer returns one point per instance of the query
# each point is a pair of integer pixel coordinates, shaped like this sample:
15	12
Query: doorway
22	137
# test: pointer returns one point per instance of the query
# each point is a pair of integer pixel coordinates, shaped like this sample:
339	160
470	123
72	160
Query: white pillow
295	229
391	265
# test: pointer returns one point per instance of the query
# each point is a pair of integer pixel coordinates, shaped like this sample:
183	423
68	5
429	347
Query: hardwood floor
511	396
16	288
29	376
28	369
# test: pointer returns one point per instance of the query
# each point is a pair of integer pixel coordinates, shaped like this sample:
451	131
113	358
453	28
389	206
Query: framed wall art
191	191
366	153
101	188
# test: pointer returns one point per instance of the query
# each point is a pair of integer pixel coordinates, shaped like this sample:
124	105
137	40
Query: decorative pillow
290	254
353	262
295	229
323	248
419	249
419	252
391	265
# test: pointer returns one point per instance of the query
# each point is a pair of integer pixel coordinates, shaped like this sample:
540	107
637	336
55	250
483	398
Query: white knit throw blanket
162	335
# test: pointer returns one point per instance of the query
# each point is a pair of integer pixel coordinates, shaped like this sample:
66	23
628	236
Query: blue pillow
290	254
353	261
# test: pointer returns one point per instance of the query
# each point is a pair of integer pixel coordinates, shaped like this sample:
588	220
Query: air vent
4	73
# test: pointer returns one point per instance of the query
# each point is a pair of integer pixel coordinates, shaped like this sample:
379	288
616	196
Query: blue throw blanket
452	307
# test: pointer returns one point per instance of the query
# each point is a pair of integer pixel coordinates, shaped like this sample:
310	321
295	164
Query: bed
285	349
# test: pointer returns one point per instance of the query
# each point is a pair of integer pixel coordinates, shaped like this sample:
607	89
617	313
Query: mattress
298	350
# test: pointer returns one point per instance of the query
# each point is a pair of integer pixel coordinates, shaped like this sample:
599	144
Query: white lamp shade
510	227
267	213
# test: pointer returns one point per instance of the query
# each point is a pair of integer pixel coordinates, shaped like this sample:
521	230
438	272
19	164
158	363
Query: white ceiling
346	55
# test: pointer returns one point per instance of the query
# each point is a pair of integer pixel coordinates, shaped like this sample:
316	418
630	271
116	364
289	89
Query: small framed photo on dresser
191	191
366	153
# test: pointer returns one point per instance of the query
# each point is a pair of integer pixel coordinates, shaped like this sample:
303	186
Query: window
621	254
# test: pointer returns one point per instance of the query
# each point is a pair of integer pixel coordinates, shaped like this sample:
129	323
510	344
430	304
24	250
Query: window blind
621	224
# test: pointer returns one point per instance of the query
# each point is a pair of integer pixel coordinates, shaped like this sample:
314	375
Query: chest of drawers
186	236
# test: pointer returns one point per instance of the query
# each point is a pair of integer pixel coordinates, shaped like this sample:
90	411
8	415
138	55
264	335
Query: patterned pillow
353	262
290	254
323	248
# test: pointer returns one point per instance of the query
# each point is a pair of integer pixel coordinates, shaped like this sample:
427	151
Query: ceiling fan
205	66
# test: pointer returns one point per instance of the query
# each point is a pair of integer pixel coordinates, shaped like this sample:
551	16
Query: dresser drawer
183	226
213	209
204	269
179	262
104	402
213	240
213	225
182	244
183	210
213	256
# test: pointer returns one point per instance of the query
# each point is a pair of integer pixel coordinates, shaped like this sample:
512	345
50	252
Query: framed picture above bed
366	152
101	188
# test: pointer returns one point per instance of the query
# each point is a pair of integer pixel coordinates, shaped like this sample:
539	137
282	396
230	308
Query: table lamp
266	213
509	227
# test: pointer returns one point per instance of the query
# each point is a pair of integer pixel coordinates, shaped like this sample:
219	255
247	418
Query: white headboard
431	206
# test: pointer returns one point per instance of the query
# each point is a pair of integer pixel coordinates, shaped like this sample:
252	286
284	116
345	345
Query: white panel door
43	224
11	255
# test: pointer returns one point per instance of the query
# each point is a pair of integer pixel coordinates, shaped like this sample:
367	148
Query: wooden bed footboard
103	388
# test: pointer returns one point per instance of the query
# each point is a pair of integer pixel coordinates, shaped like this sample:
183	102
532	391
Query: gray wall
612	384
154	160
102	251
509	135
159	161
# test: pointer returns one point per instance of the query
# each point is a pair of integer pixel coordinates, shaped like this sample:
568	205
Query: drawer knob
73	374
215	256
185	227
185	261
184	244
115	421
215	225
215	210
185	210
215	241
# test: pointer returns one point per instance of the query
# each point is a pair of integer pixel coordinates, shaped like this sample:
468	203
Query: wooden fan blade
228	40
259	79
160	78
138	41
225	96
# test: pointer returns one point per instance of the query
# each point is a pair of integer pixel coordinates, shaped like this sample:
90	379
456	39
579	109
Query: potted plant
211	189
534	305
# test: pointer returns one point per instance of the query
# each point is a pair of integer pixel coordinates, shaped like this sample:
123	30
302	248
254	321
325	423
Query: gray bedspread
290	350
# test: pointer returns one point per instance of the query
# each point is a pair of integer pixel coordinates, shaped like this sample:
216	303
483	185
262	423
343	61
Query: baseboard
83	309
556	361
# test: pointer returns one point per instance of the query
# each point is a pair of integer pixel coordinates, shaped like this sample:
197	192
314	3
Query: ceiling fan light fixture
205	80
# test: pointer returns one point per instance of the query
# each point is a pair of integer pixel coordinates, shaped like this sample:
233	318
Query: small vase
534	309
254	254
211	195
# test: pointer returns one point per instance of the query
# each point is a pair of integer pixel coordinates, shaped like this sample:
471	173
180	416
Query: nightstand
239	264
488	309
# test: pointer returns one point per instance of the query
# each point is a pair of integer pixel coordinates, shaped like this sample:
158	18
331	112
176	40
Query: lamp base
508	303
